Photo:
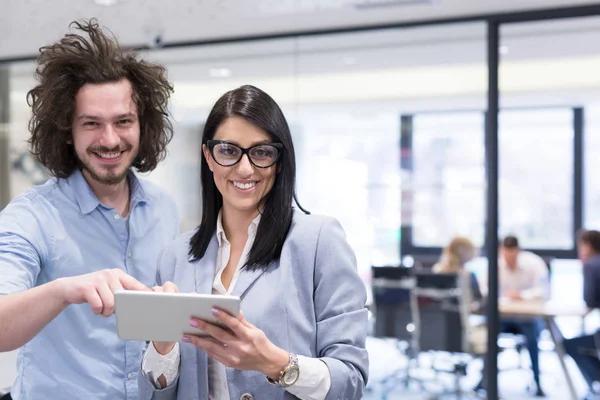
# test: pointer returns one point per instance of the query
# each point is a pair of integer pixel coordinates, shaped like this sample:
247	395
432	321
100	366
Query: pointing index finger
130	283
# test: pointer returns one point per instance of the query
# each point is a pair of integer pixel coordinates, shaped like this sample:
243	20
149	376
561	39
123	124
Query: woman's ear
208	157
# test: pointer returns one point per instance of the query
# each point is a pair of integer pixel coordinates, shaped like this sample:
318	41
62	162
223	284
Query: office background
388	113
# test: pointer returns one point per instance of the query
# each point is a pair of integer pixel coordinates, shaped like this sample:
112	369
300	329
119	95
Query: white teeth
109	155
244	186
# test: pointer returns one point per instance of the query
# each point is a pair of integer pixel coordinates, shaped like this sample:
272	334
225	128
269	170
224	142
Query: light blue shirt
60	229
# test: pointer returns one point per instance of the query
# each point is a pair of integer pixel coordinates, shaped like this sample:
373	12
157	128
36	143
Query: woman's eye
227	151
263	153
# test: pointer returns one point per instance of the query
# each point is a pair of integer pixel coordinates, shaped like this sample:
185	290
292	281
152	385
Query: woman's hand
240	345
165	347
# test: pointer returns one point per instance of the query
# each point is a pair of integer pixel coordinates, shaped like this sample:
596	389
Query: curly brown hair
64	67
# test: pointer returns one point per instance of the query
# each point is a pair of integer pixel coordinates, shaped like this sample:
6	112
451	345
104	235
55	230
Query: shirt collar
504	266
221	232
87	200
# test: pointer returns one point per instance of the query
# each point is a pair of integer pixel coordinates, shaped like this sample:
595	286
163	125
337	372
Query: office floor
512	382
385	358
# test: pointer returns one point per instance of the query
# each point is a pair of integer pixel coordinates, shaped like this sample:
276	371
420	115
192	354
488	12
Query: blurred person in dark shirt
583	349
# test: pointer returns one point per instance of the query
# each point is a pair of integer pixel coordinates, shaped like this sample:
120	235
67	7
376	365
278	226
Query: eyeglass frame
245	151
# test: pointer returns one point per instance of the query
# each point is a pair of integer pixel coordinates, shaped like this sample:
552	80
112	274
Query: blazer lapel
247	278
204	269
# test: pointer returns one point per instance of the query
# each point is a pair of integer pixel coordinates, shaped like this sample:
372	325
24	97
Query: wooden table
548	311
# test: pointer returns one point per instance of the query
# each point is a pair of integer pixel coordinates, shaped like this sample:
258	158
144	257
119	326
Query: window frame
407	245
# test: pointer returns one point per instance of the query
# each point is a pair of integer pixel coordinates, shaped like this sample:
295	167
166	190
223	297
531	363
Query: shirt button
129	255
246	396
129	375
117	216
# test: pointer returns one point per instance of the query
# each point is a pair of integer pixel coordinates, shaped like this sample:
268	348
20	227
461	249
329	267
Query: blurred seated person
582	348
523	275
455	255
454	258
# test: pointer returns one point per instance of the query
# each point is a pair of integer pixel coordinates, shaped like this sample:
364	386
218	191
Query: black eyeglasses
228	154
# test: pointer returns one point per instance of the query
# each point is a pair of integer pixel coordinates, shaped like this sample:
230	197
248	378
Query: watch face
291	376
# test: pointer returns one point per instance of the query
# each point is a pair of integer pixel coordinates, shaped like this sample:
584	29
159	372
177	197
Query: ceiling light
349	61
503	50
106	2
219	72
371	4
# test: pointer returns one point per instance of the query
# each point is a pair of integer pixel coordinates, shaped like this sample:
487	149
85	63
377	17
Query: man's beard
110	178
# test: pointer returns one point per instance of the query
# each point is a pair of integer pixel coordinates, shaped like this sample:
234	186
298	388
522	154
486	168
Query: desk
548	311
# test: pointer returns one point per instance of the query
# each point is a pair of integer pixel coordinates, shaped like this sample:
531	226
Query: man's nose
110	138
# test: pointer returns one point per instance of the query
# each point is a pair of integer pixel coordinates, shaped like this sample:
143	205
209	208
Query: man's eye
90	123
125	122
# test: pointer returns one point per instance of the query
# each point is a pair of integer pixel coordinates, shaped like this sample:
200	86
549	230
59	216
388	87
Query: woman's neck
236	223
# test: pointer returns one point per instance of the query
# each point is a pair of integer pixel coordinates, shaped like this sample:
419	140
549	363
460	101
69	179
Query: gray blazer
310	302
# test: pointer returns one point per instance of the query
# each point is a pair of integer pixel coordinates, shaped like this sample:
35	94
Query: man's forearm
23	315
535	293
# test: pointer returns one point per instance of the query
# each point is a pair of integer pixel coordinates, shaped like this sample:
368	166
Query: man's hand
98	288
513	295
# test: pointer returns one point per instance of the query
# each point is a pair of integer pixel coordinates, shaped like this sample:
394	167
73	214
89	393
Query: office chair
393	319
513	341
442	306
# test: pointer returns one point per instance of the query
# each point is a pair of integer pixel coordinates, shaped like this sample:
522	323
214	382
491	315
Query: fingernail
186	339
216	312
193	322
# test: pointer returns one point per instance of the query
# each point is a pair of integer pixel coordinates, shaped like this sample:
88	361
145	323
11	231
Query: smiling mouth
113	155
244	185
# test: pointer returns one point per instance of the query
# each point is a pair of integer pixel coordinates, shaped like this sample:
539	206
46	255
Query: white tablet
165	317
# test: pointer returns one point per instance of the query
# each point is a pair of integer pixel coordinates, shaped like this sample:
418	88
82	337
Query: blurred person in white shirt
523	276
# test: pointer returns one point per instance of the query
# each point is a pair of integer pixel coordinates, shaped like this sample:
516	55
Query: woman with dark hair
584	349
98	114
303	329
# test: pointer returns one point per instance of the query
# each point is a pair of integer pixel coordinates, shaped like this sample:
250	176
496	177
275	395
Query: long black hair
258	108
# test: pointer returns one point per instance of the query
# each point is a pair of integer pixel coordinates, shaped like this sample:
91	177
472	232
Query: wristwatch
289	375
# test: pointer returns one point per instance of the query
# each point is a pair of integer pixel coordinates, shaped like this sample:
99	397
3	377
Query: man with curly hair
98	114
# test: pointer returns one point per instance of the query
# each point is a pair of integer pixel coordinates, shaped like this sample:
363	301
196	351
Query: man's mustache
103	149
